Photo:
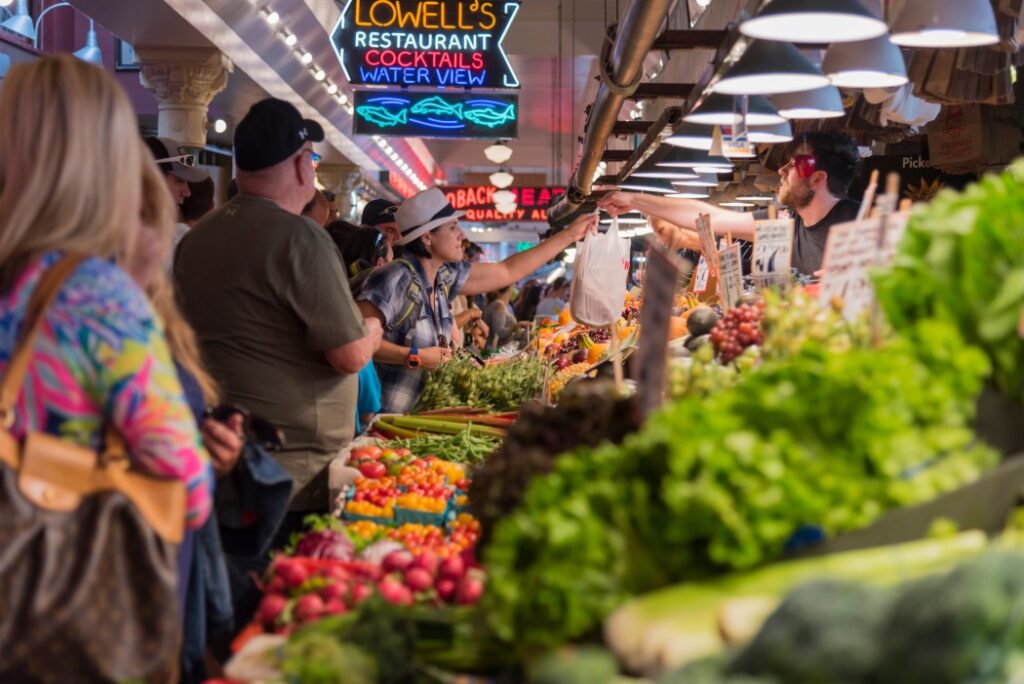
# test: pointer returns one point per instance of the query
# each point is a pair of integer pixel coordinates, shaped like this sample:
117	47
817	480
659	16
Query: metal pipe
633	41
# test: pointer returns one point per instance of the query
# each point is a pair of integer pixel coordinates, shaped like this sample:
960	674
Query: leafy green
499	387
962	261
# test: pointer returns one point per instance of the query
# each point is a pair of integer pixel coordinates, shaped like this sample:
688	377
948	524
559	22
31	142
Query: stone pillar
340	179
184	81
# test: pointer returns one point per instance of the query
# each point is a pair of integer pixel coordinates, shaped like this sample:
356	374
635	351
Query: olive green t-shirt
266	292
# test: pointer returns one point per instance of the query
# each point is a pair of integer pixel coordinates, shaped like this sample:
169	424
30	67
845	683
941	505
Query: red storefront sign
478	203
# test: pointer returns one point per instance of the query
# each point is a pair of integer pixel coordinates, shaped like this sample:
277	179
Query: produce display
499	387
813	445
962	260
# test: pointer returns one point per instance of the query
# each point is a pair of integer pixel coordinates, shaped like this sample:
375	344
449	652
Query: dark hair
472	249
232	189
329	196
340	231
416	248
557	284
836	154
364	244
318	198
529	298
199	202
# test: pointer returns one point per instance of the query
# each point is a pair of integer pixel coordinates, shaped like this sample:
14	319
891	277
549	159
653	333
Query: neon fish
437	105
382	116
491	118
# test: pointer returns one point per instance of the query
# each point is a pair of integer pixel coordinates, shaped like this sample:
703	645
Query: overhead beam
689	39
632	127
612	156
653	91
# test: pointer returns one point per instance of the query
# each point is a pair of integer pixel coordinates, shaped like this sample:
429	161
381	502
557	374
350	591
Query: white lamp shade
653	185
945	23
704	181
506	208
682	158
691	136
769	67
498	153
770	135
21	22
649	170
814	21
823	103
501	179
504	197
91	52
691	193
875	63
723	110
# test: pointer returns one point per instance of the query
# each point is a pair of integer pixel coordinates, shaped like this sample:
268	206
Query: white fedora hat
423	212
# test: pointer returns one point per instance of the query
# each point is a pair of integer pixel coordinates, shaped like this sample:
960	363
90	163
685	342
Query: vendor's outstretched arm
682	212
490	277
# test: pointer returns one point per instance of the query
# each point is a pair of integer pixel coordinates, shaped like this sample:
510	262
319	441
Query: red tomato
373	470
367	452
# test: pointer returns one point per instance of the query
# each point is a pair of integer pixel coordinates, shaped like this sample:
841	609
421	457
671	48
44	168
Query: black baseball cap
272	131
379	212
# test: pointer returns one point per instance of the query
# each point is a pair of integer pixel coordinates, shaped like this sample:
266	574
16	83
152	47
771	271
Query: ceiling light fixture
319	74
770	135
692	136
504	197
501	179
823	103
875	63
332	88
799	21
307	58
679	157
945	23
653	185
220	125
706	181
271	16
21	21
723	110
769	67
290	39
689	194
498	153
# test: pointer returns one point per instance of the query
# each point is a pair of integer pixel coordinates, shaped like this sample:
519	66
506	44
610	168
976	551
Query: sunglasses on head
258	430
188	160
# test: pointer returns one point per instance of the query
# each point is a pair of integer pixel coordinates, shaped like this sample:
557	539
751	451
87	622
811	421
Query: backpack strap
413	296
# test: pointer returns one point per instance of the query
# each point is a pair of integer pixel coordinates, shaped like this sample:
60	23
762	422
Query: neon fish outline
491	118
437	105
382	116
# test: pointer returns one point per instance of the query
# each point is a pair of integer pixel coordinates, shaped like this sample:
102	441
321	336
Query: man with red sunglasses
814	183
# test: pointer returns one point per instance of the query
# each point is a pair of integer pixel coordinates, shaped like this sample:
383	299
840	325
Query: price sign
773	252
659	298
708	246
850	254
700	281
730	264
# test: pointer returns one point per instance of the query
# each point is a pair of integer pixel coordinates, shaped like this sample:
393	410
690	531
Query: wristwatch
413	360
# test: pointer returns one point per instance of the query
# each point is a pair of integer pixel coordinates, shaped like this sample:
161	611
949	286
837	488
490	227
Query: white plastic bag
599	283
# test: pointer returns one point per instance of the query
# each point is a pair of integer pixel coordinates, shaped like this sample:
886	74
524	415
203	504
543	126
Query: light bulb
306	58
290	40
220	125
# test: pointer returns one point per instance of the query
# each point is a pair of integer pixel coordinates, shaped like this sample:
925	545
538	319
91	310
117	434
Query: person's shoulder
98	287
397	274
847	209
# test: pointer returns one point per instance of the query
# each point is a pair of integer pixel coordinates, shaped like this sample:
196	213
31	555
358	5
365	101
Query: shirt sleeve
316	288
461	269
133	378
386	289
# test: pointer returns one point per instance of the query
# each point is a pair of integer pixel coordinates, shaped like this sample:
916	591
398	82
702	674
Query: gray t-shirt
267	294
809	241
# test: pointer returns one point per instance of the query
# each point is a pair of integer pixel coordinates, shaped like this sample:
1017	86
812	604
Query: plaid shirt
386	289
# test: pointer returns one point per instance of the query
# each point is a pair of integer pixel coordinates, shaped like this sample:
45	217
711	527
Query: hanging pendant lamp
823	103
875	63
814	21
649	170
770	135
945	23
699	161
723	110
653	185
691	136
769	67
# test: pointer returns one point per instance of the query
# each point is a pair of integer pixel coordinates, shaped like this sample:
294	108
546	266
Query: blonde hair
70	162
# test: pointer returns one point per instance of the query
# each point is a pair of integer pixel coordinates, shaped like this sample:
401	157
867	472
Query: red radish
309	607
426	560
291	572
335	572
418	579
337	590
335	607
271	608
361	592
395	592
397	561
453	568
276	586
445	589
469	591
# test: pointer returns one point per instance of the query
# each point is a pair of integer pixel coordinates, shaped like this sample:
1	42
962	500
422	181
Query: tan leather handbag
88	547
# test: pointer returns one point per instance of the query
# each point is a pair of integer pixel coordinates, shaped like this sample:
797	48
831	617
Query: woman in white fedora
410	296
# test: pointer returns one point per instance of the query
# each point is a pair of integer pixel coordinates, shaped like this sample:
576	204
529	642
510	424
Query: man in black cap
380	214
268	296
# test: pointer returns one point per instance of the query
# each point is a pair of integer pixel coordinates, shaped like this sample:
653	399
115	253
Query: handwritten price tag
730	263
773	252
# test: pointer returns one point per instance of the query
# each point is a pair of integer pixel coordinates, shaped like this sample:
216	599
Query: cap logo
303	133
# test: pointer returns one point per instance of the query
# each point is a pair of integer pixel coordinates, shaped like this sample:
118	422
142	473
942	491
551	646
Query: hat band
446	211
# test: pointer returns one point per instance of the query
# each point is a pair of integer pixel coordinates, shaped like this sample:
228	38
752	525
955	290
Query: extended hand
617	203
434	357
582	227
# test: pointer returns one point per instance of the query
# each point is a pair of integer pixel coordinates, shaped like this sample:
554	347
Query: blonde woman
70	164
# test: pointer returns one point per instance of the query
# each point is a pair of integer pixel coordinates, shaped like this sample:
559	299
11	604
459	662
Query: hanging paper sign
455	43
700	282
660	282
730	273
850	254
708	244
436	115
773	252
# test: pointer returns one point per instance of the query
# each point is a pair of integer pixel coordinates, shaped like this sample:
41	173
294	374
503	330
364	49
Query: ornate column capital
184	82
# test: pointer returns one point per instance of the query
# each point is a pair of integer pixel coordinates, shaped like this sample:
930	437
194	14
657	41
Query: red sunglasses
805	165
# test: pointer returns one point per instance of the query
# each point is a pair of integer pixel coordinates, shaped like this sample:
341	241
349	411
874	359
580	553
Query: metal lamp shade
769	67
704	181
823	103
945	23
21	22
814	21
875	63
721	110
649	170
653	185
692	136
770	135
682	158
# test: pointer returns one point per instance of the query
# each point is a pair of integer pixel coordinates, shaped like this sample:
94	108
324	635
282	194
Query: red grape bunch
739	328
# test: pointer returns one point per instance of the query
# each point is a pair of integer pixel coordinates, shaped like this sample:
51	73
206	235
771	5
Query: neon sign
432	115
478	203
404	43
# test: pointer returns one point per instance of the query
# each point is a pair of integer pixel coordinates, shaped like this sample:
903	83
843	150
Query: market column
184	82
340	179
